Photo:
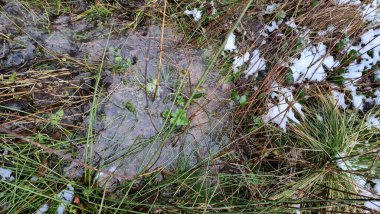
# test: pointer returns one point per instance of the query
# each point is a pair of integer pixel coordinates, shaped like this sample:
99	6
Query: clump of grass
320	161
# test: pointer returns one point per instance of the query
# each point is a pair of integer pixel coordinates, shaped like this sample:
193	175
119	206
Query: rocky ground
130	126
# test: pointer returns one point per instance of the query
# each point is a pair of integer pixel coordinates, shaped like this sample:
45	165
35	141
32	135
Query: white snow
271	7
339	98
256	64
282	113
377	98
343	164
309	65
297	206
230	45
239	61
273	26
374	205
66	196
6	174
357	99
291	23
377	185
352	74
341	2
373	121
5	152
100	176
371	12
370	41
213	10
377	75
43	209
197	14
329	29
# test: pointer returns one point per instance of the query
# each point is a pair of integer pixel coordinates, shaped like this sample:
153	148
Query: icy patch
230	45
197	14
66	196
256	64
339	98
373	121
239	61
309	65
282	113
43	209
6	174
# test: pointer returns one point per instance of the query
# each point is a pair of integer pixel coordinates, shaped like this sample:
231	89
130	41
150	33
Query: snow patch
283	112
373	121
6	174
43	209
272	7
339	98
239	61
197	14
341	2
66	196
330	29
256	64
291	23
230	44
371	12
273	26
370	42
377	98
357	99
100	176
309	65
373	205
213	10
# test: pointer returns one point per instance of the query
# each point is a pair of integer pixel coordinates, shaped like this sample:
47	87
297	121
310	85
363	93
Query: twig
159	67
